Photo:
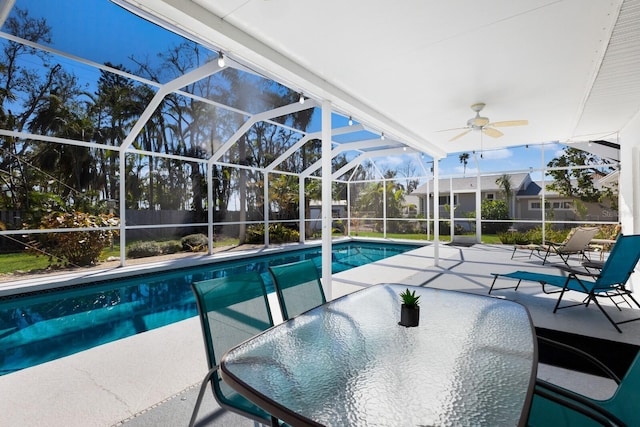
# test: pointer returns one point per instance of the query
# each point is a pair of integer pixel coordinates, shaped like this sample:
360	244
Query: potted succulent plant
410	310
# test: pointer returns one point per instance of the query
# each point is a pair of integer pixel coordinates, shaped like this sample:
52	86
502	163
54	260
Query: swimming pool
39	327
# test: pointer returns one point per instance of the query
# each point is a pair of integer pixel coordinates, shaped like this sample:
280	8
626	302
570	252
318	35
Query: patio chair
576	243
557	406
232	309
609	283
298	287
604	245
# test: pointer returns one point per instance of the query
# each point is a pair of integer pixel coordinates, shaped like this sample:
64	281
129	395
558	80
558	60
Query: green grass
22	261
10	263
486	238
415	236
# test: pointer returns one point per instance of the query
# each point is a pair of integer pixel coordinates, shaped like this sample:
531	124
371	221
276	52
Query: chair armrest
579	271
584	355
593	264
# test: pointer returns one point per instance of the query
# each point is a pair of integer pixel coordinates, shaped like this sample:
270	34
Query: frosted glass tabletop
471	361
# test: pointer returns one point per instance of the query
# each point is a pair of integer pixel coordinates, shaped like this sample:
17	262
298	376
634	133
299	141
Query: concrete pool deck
151	379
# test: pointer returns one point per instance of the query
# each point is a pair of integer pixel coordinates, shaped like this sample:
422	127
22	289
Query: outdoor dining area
351	361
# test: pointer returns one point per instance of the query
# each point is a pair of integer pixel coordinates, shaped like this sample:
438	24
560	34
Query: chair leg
546	255
564	289
203	387
606	315
495	277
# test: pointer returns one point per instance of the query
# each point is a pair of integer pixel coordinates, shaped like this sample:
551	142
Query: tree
372	196
27	87
504	182
408	170
494	210
464	159
578	183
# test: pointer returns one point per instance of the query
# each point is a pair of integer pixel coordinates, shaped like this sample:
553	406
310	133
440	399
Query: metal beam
367	155
266	115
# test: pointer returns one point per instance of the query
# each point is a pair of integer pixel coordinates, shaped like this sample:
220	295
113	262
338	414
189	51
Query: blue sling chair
556	406
232	309
608	283
298	287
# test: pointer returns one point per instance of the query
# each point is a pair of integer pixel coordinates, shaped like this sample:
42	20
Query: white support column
348	208
123	208
301	210
265	208
384	208
452	210
635	189
210	206
543	216
436	212
478	207
427	214
326	199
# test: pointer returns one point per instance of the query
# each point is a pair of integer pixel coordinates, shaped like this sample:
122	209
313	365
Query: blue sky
109	33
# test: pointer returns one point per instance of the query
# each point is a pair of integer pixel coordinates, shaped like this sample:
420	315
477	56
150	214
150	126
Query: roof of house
487	183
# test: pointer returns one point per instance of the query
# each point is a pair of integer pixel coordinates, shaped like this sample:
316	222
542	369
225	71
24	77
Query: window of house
444	200
490	196
556	204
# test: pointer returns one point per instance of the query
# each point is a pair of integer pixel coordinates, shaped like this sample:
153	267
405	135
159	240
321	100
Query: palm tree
504	182
464	159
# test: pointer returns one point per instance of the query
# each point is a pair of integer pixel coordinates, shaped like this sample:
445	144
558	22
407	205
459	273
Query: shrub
494	210
514	238
277	234
195	242
170	247
80	248
143	250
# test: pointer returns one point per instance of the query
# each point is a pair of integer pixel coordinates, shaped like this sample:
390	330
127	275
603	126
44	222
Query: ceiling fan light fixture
301	100
484	125
350	121
221	62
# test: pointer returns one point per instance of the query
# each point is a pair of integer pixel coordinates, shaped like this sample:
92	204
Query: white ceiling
413	67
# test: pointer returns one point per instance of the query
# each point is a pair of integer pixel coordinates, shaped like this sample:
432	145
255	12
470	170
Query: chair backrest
621	262
298	287
554	406
232	309
579	240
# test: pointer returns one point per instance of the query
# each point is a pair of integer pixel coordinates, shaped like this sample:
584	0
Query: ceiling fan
482	124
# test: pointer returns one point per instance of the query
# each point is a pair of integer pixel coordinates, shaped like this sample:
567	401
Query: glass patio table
471	361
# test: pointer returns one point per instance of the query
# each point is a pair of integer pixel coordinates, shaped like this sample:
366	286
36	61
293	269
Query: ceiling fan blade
510	123
447	130
460	135
494	133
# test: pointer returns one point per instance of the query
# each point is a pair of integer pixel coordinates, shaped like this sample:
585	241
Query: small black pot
409	316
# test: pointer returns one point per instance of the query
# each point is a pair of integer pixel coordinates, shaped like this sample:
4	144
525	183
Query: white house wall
629	183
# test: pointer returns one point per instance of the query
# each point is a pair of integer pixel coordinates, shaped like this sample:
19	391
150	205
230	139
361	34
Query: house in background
464	193
525	203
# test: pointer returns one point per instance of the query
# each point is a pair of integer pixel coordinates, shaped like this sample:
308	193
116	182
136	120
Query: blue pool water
39	327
